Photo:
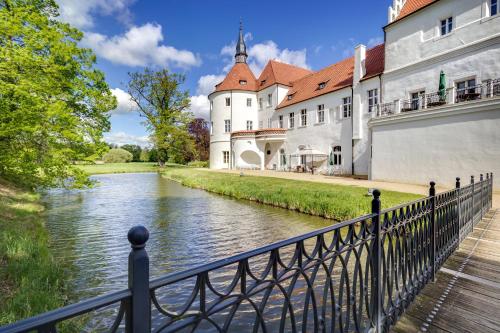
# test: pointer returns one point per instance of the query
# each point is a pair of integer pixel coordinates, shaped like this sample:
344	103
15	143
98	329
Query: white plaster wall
418	37
237	112
335	131
245	146
439	145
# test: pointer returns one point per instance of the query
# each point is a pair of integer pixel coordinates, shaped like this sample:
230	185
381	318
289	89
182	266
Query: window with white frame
269	123
280	121
228	101
303	117
249	102
446	26
291	120
249	125
321	114
269	100
261	124
493	7
337	155
227	126
466	90
346	107
225	157
372	99
260	103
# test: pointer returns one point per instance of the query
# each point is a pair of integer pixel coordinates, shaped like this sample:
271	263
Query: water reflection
188	227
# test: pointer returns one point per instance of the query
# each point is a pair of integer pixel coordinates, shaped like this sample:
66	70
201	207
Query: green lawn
338	202
95	169
31	281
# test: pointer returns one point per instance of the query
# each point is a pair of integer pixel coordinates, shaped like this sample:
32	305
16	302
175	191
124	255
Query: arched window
337	155
282	158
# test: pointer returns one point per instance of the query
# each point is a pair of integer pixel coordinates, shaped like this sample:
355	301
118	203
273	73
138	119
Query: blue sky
197	38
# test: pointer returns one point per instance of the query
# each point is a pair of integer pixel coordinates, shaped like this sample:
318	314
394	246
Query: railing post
432	198
481	194
139	312
473	206
491	189
459	209
377	253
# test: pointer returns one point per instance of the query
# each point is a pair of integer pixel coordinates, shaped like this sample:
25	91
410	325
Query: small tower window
243	82
228	101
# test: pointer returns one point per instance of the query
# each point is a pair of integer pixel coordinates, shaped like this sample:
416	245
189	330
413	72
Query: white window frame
280	121
337	156
249	125
320	116
249	102
260	103
449	25
303	118
269	123
225	157
261	124
347	107
372	99
269	100
228	101
291	120
227	126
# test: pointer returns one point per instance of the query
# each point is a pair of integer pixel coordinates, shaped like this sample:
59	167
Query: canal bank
31	281
337	202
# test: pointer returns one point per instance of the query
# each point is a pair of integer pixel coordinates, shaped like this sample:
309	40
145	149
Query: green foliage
135	150
198	164
200	131
144	157
164	106
153	155
117	155
96	169
53	103
31	280
338	202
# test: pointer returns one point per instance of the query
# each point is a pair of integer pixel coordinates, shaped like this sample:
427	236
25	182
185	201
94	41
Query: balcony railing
485	90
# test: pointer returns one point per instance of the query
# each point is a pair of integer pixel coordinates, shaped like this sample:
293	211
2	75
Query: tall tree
163	104
53	103
199	130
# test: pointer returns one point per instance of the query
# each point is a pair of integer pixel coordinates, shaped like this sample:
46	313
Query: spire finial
241	48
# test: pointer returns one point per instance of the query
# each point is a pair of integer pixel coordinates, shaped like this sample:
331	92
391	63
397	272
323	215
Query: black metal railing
353	276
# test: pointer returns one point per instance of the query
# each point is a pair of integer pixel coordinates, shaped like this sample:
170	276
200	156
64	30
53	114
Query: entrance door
337	159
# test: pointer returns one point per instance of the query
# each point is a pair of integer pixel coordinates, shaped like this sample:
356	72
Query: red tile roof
335	77
411	6
236	76
277	72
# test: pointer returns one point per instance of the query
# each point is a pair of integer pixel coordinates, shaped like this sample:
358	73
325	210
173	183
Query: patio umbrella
442	86
330	160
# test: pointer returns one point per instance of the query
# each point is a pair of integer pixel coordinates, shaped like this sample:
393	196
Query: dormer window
321	85
262	82
243	82
289	97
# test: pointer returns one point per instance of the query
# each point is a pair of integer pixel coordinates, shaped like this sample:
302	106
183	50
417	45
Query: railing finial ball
432	183
376	193
138	236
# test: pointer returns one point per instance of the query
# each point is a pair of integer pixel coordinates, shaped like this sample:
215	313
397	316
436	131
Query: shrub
117	155
198	164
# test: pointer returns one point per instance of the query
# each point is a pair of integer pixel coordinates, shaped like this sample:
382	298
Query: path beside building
390	186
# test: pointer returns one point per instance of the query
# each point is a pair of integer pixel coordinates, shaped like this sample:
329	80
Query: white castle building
425	104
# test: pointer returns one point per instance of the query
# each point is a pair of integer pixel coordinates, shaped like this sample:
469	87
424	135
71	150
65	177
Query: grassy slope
333	201
31	281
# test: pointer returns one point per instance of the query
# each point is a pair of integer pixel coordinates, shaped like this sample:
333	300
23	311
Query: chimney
359	63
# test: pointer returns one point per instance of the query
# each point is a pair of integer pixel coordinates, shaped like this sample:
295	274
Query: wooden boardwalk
466	294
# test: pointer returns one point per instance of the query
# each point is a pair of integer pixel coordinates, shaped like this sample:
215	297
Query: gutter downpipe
230	137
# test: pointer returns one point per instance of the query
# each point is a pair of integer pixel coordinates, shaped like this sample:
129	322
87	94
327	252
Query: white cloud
200	106
206	83
122	138
375	41
259	54
125	104
80	13
139	46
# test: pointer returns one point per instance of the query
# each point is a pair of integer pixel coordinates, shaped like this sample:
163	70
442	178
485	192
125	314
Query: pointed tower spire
241	48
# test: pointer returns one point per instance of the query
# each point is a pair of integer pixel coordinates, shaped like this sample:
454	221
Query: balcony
486	90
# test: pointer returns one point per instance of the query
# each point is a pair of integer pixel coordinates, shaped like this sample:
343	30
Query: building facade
426	99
